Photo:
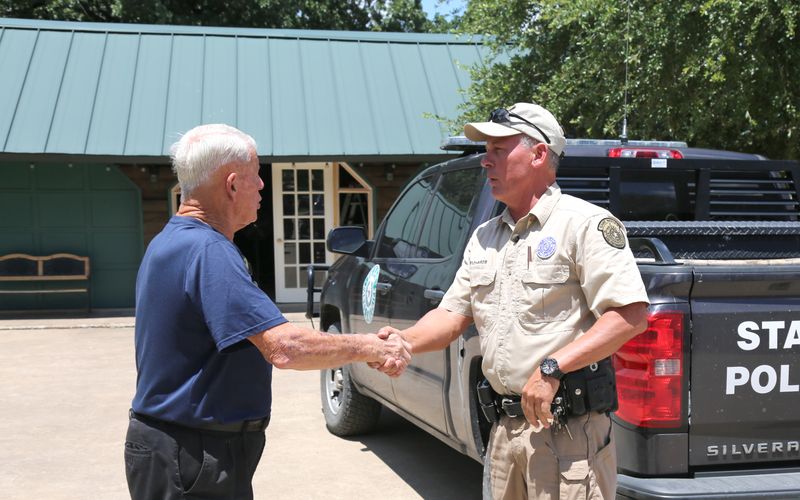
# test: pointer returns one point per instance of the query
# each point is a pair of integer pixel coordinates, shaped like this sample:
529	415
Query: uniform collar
541	211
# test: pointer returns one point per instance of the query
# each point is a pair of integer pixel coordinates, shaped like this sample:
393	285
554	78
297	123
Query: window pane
288	204
290	253
302	204
319	204
302	180
319	253
346	180
305	253
303	278
288	229
317	180
401	227
304	229
290	275
353	209
319	229
287	180
447	223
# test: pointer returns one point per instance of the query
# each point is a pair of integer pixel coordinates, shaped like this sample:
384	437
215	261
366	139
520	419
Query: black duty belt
245	426
510	405
590	389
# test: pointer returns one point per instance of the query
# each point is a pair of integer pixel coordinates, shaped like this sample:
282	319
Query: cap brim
482	131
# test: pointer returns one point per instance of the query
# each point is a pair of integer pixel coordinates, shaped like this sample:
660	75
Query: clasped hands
397	361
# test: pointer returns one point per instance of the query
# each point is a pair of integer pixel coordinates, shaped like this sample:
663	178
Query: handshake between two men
395	365
433	332
298	348
395	355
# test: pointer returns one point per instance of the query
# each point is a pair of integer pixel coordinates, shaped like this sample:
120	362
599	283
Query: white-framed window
353	202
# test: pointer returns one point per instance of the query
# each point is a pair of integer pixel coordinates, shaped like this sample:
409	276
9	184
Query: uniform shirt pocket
481	277
482	296
545	298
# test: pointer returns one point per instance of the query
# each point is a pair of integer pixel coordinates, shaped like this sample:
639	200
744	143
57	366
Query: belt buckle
510	407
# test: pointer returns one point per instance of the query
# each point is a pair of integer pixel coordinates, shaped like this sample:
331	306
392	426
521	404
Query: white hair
554	160
205	148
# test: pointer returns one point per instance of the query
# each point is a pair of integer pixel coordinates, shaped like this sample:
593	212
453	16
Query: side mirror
348	240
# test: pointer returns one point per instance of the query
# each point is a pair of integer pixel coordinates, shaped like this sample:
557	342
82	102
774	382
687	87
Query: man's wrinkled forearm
292	347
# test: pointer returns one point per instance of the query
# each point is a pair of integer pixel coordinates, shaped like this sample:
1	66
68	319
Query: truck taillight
639	152
650	373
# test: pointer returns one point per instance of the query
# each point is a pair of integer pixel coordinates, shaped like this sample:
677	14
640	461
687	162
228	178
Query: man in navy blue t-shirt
207	336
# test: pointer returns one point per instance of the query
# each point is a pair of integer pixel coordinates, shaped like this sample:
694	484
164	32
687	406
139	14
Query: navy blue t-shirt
196	304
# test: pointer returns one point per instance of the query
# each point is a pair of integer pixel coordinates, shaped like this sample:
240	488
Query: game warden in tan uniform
552	287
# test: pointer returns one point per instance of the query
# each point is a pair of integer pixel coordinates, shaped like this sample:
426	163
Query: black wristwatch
549	368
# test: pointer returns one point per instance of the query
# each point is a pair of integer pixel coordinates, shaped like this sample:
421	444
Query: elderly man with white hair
207	337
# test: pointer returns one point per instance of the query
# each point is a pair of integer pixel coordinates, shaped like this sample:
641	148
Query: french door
303	213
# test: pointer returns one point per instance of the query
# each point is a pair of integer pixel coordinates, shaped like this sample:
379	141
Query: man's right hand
389	366
396	353
433	332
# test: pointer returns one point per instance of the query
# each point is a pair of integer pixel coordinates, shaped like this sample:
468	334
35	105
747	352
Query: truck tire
347	412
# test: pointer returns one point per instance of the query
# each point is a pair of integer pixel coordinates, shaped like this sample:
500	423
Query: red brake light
650	373
646	152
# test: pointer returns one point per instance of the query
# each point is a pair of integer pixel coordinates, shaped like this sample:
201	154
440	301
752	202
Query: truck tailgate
745	365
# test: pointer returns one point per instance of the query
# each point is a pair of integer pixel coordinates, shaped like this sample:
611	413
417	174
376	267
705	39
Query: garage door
91	210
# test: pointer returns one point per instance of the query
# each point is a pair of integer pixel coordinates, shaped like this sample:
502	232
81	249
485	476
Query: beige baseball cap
521	118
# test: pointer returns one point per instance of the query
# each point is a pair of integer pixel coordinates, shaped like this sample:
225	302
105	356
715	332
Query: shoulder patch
612	232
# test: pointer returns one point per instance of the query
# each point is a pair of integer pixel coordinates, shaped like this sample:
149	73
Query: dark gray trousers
164	461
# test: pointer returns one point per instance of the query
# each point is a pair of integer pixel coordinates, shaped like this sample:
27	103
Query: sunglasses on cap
503	116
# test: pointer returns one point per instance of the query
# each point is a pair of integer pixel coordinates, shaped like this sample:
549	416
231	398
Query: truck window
689	190
450	215
656	195
398	239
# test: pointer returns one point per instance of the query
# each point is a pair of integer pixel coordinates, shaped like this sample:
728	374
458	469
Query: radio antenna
624	136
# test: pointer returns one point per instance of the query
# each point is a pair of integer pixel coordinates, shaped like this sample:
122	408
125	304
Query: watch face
549	367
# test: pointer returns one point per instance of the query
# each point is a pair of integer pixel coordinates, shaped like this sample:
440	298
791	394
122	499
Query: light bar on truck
645	152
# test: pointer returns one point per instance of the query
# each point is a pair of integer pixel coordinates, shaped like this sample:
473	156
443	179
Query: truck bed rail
720	240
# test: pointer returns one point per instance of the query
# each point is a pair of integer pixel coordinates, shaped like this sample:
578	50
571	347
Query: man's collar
541	211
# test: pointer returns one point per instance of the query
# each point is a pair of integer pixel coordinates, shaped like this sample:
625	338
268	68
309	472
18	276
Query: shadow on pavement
430	467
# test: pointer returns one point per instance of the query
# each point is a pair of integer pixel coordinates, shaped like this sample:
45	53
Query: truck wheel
347	412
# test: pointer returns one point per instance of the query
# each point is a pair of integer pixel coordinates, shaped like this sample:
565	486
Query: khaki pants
523	461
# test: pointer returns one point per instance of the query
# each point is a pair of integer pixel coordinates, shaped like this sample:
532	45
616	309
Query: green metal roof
116	90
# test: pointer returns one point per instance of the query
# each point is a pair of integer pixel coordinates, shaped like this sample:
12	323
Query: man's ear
539	152
230	181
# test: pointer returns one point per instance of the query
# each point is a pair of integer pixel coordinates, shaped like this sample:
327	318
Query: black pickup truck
709	394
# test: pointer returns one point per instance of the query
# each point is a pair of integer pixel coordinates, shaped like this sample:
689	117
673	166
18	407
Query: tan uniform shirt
536	285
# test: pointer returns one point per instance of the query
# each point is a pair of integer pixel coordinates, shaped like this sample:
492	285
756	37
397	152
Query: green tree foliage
399	15
716	73
408	16
355	15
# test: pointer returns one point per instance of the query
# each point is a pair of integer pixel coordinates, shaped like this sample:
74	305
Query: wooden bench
60	271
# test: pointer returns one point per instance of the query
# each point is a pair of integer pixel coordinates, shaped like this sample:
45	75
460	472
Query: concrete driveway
65	390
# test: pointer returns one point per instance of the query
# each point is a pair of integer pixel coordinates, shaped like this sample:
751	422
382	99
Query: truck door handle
383	288
434	296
